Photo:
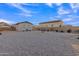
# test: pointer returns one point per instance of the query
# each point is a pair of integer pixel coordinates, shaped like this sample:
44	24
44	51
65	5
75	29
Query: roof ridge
51	21
24	22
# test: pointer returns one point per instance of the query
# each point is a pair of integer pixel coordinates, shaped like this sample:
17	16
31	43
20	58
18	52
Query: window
24	25
52	25
59	25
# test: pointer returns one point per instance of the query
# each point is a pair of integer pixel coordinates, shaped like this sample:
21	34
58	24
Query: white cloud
70	21
67	19
25	12
25	15
31	4
58	4
61	11
74	23
74	6
73	16
49	4
6	21
19	6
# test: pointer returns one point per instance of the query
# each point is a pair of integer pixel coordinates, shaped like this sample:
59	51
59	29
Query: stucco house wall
23	27
52	24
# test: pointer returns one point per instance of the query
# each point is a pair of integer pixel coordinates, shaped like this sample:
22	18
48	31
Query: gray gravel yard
36	43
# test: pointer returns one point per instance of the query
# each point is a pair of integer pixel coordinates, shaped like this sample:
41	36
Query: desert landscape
37	43
39	29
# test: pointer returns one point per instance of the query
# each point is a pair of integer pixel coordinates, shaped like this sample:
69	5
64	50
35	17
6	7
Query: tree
69	30
13	28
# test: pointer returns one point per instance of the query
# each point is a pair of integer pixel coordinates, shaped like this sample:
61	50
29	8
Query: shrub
69	31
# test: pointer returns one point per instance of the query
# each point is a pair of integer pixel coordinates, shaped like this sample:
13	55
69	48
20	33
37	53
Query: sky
39	12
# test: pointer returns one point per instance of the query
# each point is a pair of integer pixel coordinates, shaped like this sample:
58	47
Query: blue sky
39	12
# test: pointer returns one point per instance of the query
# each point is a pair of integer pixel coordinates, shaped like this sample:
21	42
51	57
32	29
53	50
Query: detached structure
23	26
73	29
57	25
50	25
6	27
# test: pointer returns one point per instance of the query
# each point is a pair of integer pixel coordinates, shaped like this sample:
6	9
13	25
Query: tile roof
51	21
23	22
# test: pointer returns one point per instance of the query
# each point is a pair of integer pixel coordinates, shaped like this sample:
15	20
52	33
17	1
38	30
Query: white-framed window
49	25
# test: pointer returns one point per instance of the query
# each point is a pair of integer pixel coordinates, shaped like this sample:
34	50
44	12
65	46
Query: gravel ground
38	44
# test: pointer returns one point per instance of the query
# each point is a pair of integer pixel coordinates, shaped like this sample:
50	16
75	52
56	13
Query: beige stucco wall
55	24
23	26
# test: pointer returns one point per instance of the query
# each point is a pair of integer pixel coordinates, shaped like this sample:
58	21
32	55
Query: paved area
38	44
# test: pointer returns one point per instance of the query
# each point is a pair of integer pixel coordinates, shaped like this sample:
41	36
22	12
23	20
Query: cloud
25	15
62	11
31	4
73	16
74	23
72	20
6	21
49	4
74	6
67	19
25	12
19	6
58	4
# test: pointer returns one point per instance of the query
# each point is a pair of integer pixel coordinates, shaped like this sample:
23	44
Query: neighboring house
51	24
24	26
36	28
56	23
4	26
57	26
74	29
66	28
